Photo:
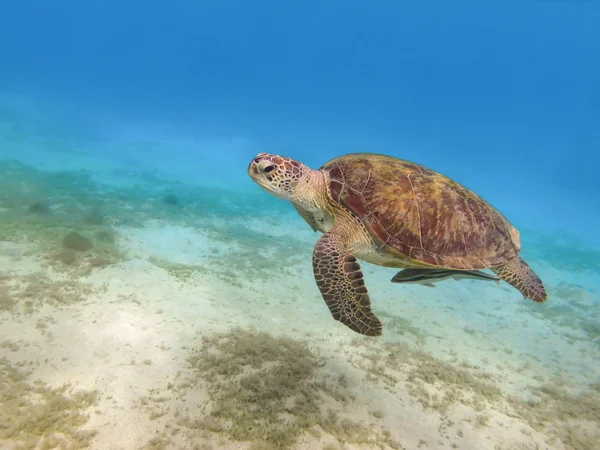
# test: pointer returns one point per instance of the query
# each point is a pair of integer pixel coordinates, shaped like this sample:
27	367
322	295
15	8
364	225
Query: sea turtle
393	213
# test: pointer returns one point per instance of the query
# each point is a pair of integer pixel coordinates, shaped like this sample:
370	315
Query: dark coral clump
67	256
171	200
38	208
77	242
95	217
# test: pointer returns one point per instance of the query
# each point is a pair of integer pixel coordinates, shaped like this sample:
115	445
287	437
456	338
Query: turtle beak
253	169
255	172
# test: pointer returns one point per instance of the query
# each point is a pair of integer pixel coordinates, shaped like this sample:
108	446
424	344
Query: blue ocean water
142	266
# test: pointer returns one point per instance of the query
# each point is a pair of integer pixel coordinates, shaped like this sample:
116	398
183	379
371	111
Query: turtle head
277	174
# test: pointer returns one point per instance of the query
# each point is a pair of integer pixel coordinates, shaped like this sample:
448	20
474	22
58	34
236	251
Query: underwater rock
67	256
95	217
98	261
107	236
38	208
171	200
77	242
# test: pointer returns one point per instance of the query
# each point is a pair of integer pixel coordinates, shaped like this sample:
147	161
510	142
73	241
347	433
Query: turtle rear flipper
340	280
517	273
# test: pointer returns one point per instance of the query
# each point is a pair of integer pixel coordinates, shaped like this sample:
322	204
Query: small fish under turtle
429	276
393	213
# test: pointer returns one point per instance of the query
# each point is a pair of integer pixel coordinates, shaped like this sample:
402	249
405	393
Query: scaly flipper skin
341	283
517	273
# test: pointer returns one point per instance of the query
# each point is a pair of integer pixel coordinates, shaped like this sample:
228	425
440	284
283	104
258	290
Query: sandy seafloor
199	326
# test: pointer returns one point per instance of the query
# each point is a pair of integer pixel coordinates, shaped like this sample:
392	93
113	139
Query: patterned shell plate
414	212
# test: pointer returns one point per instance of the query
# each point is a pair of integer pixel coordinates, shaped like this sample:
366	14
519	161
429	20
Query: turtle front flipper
517	273
340	280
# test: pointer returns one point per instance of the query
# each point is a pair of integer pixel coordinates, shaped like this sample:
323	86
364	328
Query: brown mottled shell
413	212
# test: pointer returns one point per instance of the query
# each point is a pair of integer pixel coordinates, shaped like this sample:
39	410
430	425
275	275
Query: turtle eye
269	169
